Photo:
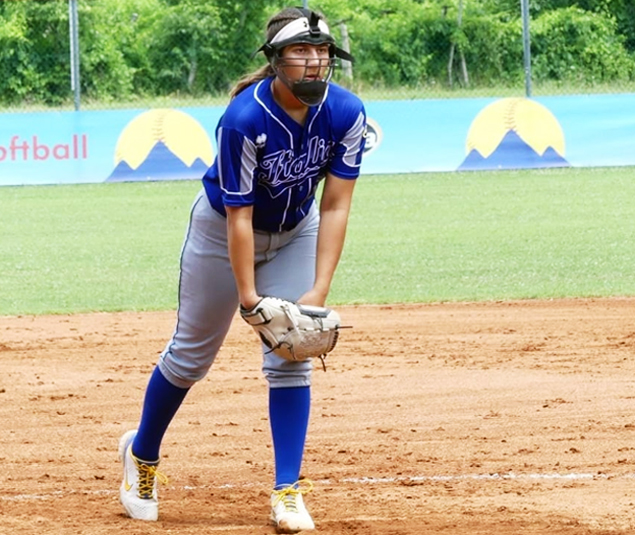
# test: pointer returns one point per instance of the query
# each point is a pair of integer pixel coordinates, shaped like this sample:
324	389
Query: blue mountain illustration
160	164
512	153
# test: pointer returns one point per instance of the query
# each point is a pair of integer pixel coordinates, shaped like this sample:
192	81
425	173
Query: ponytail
262	73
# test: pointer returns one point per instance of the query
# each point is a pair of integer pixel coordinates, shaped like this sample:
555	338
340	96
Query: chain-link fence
102	54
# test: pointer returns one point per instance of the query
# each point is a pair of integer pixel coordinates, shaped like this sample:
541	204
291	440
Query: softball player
255	229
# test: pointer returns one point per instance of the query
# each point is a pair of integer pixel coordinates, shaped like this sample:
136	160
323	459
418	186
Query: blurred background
106	54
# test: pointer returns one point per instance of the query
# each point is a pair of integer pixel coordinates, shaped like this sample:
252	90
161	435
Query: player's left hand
313	297
293	331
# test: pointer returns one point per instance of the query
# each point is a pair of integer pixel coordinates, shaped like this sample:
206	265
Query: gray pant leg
208	298
289	273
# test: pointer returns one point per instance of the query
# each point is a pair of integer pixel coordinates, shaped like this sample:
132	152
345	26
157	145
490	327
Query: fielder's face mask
313	31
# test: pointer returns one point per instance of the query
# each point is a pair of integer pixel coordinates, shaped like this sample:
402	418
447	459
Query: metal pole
524	7
73	22
347	67
305	4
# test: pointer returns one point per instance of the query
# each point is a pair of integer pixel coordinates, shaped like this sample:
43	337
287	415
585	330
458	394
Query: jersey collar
265	96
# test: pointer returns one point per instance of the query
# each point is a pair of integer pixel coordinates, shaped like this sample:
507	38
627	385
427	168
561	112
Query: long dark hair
275	24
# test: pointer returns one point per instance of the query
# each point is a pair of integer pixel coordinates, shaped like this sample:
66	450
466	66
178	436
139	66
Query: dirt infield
487	418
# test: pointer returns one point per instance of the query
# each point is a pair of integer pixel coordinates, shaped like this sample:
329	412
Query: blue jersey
268	160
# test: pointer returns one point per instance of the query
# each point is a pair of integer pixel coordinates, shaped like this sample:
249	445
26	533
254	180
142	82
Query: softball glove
293	331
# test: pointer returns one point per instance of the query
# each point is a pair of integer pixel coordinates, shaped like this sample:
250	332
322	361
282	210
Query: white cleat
138	492
288	511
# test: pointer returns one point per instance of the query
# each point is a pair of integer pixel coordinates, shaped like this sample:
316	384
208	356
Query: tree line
198	47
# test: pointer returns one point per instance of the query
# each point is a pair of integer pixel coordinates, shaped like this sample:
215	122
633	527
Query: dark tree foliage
34	52
133	49
623	11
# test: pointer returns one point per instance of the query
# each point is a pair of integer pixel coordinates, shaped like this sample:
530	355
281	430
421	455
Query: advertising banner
404	136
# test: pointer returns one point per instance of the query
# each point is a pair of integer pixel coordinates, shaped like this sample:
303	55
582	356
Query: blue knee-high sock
161	402
289	410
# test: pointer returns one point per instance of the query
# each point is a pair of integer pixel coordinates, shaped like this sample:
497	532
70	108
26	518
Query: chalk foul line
508	476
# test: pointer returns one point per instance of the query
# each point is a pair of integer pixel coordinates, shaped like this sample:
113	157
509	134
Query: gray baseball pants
208	299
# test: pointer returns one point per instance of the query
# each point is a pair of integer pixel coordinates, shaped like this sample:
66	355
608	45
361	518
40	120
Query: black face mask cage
309	91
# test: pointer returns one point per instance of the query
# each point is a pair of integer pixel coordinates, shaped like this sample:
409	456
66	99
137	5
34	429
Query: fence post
73	23
347	67
524	8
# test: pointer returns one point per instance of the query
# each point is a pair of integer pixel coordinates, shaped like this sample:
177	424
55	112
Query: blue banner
404	137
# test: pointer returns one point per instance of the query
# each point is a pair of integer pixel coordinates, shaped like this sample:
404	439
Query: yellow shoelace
288	494
147	474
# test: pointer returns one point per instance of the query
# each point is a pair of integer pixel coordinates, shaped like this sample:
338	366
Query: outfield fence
105	54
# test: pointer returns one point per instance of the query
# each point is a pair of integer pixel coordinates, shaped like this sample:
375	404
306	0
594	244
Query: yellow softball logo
514	133
531	121
162	144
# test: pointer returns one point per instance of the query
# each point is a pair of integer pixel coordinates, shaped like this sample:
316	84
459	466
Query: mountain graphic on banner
513	153
160	164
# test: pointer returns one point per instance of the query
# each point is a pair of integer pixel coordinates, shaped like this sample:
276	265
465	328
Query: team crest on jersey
261	141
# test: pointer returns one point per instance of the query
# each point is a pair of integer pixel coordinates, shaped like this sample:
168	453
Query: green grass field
412	238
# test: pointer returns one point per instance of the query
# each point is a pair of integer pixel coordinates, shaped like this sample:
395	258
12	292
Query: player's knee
282	373
181	373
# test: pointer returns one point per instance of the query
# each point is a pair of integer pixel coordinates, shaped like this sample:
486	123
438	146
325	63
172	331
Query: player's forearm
335	206
330	244
240	238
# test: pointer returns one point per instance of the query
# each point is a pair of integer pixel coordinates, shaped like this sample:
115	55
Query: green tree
34	52
573	44
107	47
174	47
196	48
623	11
181	47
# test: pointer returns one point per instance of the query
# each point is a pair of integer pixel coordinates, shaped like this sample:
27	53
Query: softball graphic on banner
514	133
162	144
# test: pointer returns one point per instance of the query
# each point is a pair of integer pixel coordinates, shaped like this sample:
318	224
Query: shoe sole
283	530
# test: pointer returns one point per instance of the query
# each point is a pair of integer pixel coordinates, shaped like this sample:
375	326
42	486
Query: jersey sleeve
236	165
347	154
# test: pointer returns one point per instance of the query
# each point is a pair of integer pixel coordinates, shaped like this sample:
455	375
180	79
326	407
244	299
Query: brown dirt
487	418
